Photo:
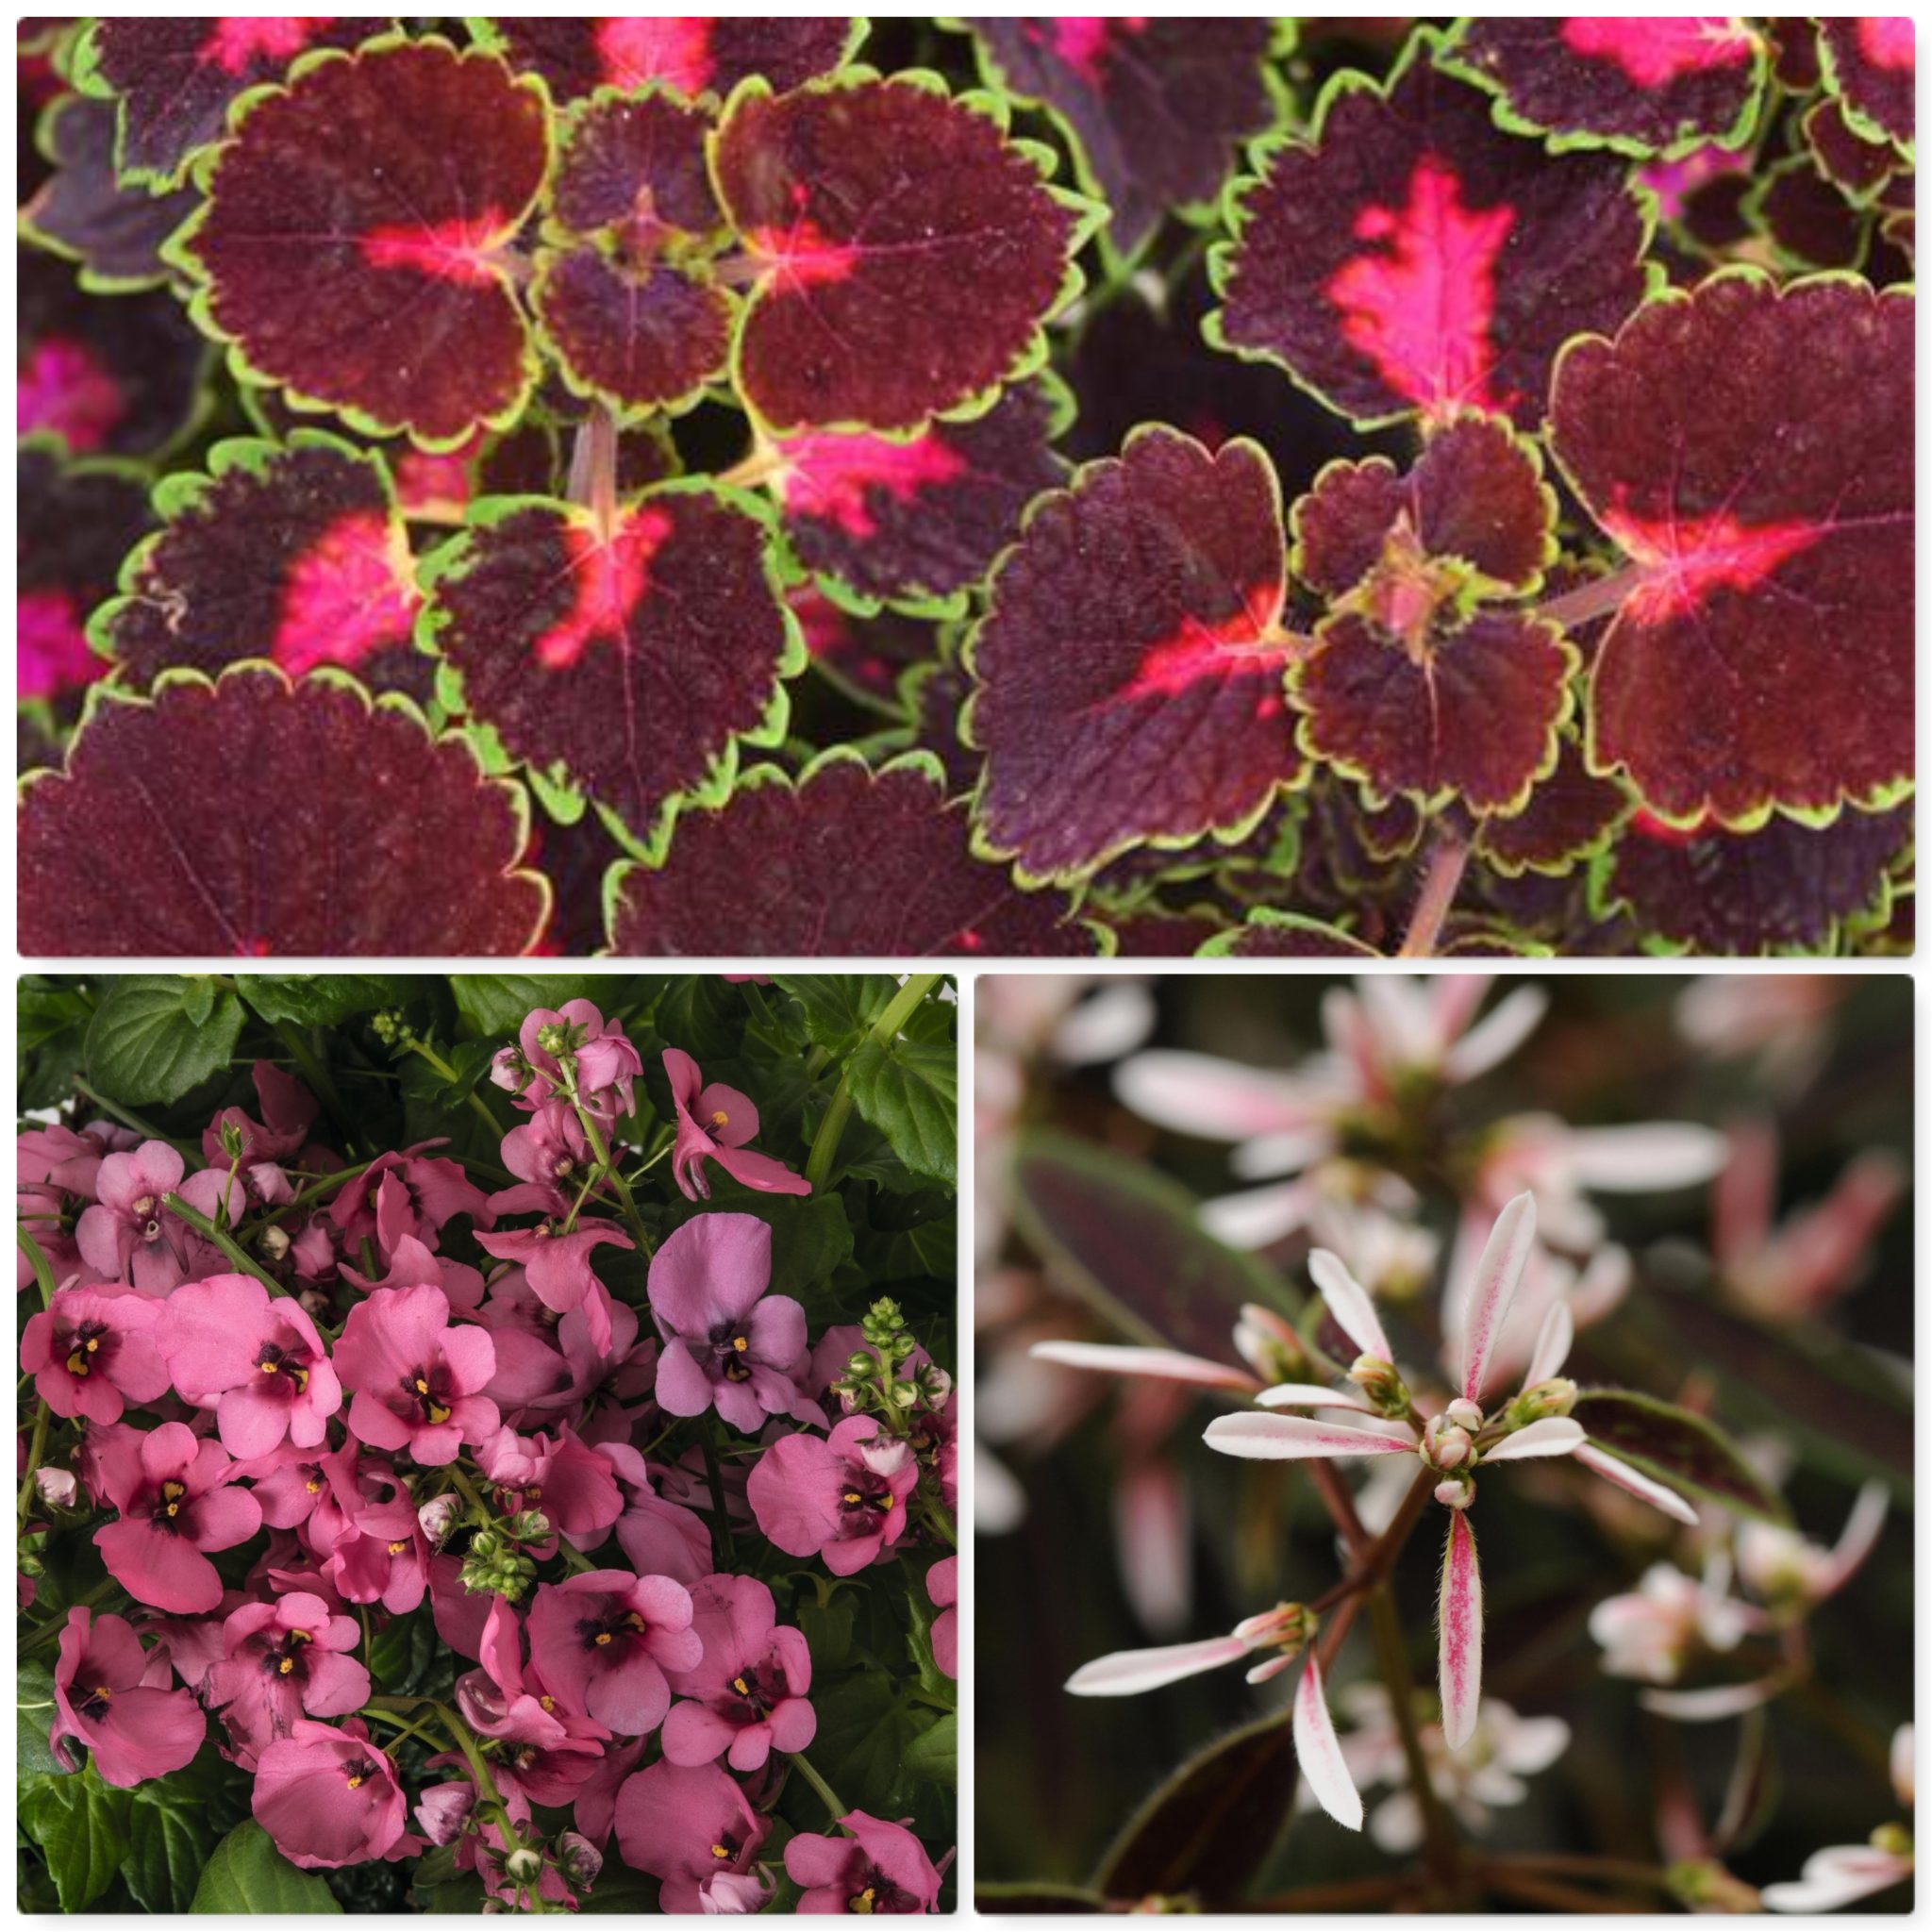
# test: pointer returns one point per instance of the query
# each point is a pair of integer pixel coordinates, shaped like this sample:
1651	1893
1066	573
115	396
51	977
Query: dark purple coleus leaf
1130	671
255	817
1420	683
695	57
624	661
1783	888
76	521
919	521
296	554
1413	257
1806	217
103	377
846	860
173	80
1750	450
1860	166
904	253
626	289
1570	813
1286	936
353	245
1645	87
1156	109
1870	64
82	211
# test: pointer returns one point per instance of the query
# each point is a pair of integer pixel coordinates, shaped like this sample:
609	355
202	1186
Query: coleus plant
1260	487
486	1444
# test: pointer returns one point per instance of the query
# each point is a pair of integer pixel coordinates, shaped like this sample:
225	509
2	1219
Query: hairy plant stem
1440	884
208	1231
1334	1492
1599	597
825	1145
36	1448
593	468
1378	1558
835	1805
1440	1852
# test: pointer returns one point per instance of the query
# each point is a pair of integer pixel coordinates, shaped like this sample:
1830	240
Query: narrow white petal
1216	1099
1112	1021
1834	1878
1860	1532
1459	1621
1555	1435
1268	1156
1126	1672
1552	1348
1490	1042
1164	1364
1400	1018
1613	1469
1278	1437
1709	1706
1494	1288
1318	1752
1258	1217
1311	1395
1638	1160
1348	1302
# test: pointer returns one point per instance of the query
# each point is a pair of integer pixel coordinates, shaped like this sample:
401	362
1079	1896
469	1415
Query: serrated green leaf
34	1693
49	1044
80	1825
909	1090
839	1007
168	1843
934	1755
248	1875
320	999
1677	1447
494	1004
142	1043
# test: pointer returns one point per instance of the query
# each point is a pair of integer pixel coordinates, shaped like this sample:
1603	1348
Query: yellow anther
93	1344
266	1368
721	1118
76	1364
286	1664
102	1691
422	1386
740	1343
602	1637
721	1851
299	1637
437	1413
397	1549
173	1491
313	1487
355	1780
863	1903
742	1689
548	1703
852	1499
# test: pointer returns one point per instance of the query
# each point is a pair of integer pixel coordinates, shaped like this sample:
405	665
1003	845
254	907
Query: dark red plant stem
1440	884
1599	597
593	468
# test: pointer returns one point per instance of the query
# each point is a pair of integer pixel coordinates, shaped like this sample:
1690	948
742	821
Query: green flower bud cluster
394	1030
232	1142
494	1566
1378	1380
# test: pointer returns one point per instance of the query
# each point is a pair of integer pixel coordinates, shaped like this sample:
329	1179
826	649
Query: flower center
600	1633
86	1345
167	1514
865	1496
753	1691
732	1346
356	1770
723	1851
425	1389
287	1362
720	1120
96	1706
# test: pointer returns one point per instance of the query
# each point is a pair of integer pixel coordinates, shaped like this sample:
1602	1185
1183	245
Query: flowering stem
406	1726
208	1231
1334	1492
1391	1657
467	1491
829	1798
1379	1558
35	1450
608	1169
1584	1865
486	1794
1440	884
824	1146
423	1050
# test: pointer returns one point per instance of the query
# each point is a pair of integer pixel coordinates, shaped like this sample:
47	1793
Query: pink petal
1167	1365
1461	1618
1613	1469
1348	1302
1277	1436
1129	1671
1218	1100
1318	1752
1495	1288
1312	1395
1552	1348
1497	1036
1644	1159
1555	1435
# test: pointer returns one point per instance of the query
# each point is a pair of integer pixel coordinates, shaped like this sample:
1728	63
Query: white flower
1783	1567
1649	1633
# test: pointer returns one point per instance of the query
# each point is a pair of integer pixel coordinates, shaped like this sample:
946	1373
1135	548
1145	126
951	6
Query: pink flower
288	1111
328	1796
557	1267
549	1156
605	1639
746	1695
555	1749
117	1700
282	1660
572	1485
713	1124
841	1497
255	1359
415	1378
407	1195
603	1061
379	1553
92	1353
410	1264
880	1868
726	1343
126	1234
694	1828
176	1499
943	1586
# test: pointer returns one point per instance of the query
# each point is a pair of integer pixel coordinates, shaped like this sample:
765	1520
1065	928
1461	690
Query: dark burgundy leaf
1287	936
1871	62
906	252
1807	219
354	242
844	861
82	211
1678	1447
120	376
1569	814
919	522
628	300
626	663
255	817
295	552
695	56
938	693
574	859
1413	257
1860	167
1751	451
1130	669
173	80
1156	109
1644	86
76	521
1785	887
1154	931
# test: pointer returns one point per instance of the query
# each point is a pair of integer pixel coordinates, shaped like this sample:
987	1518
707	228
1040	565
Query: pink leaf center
1655	52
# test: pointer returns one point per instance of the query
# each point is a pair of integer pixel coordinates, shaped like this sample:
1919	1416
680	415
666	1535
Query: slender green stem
129	1117
50	1633
326	1186
937	1515
37	1260
714	1476
824	1146
835	1805
1439	1851
574	1559
606	1169
468	1492
405	1727
208	1231
36	1449
424	1051
314	1068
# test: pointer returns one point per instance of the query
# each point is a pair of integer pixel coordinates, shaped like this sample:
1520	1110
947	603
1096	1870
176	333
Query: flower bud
232	1141
1380	1383
1269	1345
1893	1839
509	1070
485	1544
1465	1414
1445	1445
31	1565
937	1384
531	1526
437	1518
1456	1491
1556	1397
56	1486
525	1865
555	1039
906	1394
1704	1886
581	1860
1287	1628
860	1364
274	1241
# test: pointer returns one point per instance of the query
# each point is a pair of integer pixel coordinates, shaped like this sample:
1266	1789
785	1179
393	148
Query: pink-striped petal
1312	1395
1495	1288
1270	1667
1277	1437
1164	1364
1555	1435
1318	1752
1613	1469
1348	1302
1216	1099
1126	1671
1460	1617
1552	1348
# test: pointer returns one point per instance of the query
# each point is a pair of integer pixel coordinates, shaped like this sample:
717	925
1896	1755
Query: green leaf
400	1654
49	1043
494	1004
839	1007
80	1825
909	1090
1125	1239
865	1731
1679	1448
168	1844
1212	1825
248	1875
934	1755
34	1693
701	1014
320	999
144	1044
